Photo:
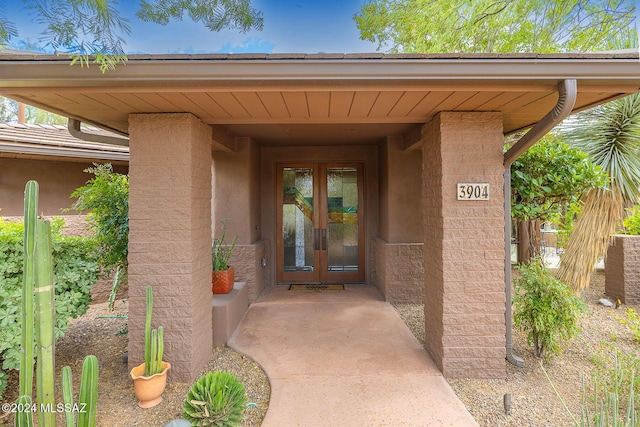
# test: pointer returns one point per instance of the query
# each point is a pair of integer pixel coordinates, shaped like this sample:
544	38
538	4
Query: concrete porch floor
344	358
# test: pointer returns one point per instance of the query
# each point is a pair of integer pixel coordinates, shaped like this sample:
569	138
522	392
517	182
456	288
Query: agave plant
610	135
216	399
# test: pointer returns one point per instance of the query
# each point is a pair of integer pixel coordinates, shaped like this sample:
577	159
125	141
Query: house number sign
473	191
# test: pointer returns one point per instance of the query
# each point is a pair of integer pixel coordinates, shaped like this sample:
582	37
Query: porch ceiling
316	99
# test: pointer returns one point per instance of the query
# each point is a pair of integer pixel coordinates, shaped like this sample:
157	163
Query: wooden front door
320	223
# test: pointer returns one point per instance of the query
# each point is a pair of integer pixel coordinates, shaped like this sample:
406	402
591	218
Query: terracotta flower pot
148	390
222	281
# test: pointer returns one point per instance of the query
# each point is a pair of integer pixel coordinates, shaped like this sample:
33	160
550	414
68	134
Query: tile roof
42	141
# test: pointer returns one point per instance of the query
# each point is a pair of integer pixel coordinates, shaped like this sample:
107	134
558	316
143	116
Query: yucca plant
610	135
216	399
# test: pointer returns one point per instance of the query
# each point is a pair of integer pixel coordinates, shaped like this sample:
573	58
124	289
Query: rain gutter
73	126
567	94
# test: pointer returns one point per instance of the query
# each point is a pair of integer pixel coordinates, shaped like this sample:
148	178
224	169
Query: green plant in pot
150	378
223	275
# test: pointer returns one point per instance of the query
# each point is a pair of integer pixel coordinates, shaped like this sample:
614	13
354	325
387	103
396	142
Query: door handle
316	239
324	239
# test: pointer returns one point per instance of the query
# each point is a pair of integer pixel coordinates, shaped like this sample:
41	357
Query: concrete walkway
344	358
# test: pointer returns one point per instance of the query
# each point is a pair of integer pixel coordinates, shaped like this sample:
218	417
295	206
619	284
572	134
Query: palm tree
610	135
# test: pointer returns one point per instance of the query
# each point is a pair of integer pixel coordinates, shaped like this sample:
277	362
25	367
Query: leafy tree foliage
94	28
8	109
549	177
494	26
215	15
547	182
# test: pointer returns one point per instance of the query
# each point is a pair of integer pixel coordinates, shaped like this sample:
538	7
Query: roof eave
153	71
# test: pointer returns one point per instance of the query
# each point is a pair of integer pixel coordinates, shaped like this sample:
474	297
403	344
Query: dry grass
601	214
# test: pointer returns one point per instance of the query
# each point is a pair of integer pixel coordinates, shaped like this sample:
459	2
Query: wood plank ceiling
294	103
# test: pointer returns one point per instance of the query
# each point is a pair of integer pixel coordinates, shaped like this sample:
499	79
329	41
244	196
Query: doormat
316	288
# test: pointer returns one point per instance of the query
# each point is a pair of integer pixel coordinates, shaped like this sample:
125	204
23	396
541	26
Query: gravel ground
117	405
533	402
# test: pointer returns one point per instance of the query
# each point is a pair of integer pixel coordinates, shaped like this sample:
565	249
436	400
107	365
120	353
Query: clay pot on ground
148	390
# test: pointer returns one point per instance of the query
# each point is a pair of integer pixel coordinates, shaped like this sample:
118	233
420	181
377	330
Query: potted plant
222	276
150	378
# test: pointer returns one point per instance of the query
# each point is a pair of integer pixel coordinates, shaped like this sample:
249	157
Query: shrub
106	197
546	309
76	270
631	319
632	221
216	399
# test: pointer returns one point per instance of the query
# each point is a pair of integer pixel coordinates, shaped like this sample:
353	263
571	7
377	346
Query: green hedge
76	269
632	221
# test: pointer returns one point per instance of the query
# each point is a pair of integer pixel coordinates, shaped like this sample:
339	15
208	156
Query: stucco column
464	245
170	237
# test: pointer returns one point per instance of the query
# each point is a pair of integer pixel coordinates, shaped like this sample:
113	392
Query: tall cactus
88	397
45	310
67	395
153	341
38	277
28	280
23	416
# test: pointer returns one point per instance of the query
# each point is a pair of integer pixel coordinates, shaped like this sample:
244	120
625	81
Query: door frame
321	274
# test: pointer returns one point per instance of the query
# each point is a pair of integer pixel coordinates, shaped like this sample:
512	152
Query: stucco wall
622	269
57	180
236	191
400	192
464	293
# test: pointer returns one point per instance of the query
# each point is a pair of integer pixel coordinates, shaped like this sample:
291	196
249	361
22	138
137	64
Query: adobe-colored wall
170	238
622	269
57	180
236	199
236	186
464	292
397	259
400	193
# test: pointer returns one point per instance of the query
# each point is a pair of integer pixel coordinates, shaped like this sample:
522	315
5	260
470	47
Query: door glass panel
342	219
297	219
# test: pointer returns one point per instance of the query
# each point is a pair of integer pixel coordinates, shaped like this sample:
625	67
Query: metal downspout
73	126
567	94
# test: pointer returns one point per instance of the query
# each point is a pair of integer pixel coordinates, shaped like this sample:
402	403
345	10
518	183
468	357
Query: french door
320	223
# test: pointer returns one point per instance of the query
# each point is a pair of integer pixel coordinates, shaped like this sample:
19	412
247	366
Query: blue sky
290	26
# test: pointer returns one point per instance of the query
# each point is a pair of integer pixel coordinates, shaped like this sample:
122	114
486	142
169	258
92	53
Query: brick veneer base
398	271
